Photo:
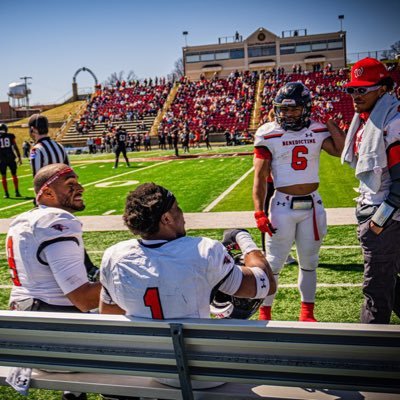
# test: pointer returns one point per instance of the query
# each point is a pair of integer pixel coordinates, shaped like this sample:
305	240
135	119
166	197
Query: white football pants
306	228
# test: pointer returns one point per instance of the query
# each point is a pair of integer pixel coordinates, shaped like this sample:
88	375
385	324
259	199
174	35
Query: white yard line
125	173
109	212
227	191
17	205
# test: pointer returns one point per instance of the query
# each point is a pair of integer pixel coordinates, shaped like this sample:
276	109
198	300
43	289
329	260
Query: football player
120	145
289	148
45	251
8	151
167	274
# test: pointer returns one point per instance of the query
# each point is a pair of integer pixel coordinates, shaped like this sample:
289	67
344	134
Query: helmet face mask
226	306
292	106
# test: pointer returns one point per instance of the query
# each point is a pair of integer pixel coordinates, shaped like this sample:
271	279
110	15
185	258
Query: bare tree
120	76
178	70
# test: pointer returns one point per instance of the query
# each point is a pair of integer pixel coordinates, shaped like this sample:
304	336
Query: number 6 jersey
294	154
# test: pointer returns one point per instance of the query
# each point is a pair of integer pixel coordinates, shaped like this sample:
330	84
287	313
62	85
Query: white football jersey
29	237
294	154
167	280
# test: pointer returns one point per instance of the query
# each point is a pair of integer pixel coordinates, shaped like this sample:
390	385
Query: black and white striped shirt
47	151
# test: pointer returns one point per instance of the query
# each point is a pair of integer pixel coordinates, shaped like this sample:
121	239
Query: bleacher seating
216	104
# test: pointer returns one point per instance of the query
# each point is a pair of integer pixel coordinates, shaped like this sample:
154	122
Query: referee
45	151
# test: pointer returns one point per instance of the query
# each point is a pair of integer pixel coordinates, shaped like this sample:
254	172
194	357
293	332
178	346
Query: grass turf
195	182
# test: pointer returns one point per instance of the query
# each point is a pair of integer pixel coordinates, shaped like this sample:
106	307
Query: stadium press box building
263	51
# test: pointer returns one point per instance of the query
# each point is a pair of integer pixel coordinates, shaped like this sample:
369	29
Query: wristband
245	242
262	283
383	214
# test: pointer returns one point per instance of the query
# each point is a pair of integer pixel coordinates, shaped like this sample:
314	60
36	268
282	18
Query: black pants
39	305
381	287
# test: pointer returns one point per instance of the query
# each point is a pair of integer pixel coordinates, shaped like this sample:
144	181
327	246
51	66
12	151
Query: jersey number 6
298	162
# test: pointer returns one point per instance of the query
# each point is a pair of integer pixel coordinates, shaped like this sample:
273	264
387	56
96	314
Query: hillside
57	114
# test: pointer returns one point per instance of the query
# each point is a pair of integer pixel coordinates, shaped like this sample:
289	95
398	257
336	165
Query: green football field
196	182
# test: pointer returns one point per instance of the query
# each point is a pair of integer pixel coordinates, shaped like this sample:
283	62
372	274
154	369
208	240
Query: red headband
51	180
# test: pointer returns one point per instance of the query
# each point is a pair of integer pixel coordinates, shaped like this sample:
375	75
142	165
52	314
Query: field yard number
114	184
298	162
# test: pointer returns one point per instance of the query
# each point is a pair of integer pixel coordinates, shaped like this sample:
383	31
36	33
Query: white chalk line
227	191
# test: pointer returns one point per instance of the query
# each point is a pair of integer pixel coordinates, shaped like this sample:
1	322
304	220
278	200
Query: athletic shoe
290	260
265	313
6	195
17	194
307	312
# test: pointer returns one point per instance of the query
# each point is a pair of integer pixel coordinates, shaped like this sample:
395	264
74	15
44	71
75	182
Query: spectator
373	149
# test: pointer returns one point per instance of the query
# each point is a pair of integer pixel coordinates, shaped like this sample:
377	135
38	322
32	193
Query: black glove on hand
229	237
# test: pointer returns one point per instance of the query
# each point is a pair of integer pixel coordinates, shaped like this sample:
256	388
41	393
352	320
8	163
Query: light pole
185	33
25	78
341	18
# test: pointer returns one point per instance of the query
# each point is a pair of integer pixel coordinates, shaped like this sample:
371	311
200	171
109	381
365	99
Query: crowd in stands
326	91
213	105
222	105
126	101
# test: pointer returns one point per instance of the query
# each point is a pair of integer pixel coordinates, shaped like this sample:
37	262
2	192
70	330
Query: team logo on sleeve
59	227
227	260
32	156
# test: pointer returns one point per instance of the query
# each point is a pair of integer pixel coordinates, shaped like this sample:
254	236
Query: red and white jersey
164	280
29	240
294	154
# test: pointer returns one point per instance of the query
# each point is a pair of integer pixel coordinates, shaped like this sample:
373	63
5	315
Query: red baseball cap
367	72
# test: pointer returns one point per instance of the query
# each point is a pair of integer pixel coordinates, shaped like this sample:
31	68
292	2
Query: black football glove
229	238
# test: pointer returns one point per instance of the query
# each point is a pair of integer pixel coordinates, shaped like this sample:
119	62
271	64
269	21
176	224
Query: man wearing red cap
373	148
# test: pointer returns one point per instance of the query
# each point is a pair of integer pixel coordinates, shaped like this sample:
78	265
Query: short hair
39	122
45	173
388	82
144	207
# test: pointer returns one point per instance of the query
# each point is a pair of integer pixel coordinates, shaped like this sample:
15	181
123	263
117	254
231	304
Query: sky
50	40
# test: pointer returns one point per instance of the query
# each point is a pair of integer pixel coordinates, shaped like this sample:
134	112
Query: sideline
200	220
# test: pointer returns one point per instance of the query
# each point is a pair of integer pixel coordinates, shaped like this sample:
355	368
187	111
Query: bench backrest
315	355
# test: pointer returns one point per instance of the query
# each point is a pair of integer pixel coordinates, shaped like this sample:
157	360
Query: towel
372	152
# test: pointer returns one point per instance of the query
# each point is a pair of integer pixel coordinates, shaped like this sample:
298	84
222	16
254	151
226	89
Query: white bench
120	355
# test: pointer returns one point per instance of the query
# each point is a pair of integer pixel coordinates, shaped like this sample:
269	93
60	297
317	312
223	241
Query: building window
207	57
237	53
222	55
338	44
190	58
261	51
318	46
303	48
288	49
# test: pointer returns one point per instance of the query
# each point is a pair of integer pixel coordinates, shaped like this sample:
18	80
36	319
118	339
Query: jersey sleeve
220	263
106	278
55	226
